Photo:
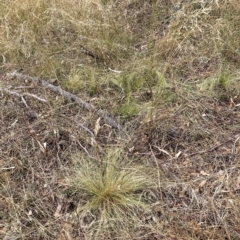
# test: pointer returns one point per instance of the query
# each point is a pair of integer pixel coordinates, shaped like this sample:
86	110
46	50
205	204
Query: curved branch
57	89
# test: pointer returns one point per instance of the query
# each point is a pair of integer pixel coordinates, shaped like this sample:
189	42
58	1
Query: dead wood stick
69	96
22	94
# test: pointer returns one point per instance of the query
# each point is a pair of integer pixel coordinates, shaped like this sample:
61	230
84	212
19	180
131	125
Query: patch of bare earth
37	139
194	147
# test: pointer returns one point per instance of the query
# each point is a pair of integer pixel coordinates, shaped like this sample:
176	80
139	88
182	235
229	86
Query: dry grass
169	72
110	188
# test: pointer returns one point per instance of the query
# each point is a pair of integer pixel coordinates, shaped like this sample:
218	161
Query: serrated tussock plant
109	189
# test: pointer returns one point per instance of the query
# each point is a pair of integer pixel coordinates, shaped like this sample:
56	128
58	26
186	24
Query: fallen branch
69	96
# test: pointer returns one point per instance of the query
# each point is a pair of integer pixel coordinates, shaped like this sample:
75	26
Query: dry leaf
93	142
97	126
202	183
58	210
204	173
178	154
42	146
66	232
238	184
193	174
220	173
131	149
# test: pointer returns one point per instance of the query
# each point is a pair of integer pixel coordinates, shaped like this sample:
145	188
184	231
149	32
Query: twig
89	53
164	151
25	103
34	96
209	150
82	126
23	94
83	148
115	71
93	140
234	145
7	168
33	114
159	180
69	96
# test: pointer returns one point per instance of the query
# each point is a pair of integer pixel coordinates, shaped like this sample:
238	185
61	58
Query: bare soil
195	147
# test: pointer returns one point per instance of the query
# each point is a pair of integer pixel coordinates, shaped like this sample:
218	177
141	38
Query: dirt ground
194	145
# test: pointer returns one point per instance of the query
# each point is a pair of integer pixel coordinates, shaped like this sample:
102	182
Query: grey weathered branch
101	113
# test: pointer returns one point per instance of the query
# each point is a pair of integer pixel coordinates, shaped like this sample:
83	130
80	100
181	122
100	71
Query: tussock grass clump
81	80
223	86
112	189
